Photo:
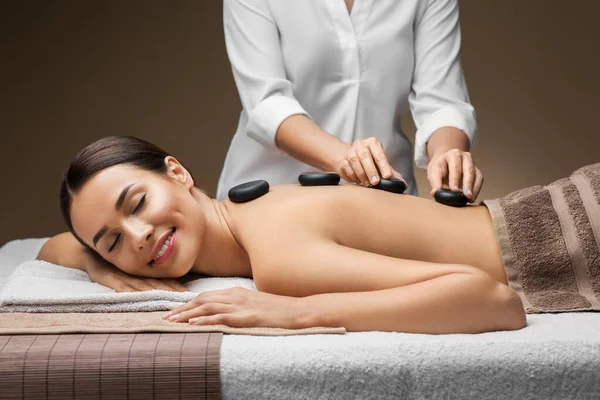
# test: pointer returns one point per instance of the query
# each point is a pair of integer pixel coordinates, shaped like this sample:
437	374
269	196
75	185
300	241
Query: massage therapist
323	84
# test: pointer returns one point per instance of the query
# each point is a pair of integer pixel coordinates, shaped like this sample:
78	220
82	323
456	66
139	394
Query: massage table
557	356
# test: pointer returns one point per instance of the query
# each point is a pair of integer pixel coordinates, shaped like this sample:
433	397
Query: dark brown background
73	71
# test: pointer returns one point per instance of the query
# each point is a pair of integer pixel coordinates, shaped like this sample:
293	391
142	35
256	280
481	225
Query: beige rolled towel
549	240
134	322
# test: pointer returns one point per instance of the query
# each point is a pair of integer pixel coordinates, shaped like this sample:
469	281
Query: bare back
399	226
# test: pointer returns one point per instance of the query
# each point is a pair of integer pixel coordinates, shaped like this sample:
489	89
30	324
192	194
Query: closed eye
112	246
139	205
136	209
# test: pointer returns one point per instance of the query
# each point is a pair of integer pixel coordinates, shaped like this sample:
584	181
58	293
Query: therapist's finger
380	158
356	165
378	155
436	174
348	173
468	175
366	159
454	160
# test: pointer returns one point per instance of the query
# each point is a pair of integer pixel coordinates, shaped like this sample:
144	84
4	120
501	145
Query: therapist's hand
365	163
455	169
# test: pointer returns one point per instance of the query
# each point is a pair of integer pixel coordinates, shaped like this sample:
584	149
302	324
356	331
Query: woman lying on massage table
342	255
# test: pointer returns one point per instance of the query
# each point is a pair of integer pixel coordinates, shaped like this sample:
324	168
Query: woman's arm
361	291
454	303
63	249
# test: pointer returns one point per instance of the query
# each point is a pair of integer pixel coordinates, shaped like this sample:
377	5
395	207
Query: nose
140	233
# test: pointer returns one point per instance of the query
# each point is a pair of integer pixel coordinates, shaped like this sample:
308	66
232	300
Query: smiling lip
169	249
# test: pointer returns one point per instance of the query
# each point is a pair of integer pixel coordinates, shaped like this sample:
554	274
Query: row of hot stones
252	190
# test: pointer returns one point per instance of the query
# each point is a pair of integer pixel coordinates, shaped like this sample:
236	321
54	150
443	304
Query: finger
217	296
350	175
366	159
175	285
121	287
478	183
231	320
468	176
356	165
454	170
381	160
234	319
436	174
138	284
342	172
158	284
202	311
219	319
173	315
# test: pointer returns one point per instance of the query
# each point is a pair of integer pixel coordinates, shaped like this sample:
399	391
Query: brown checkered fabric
110	366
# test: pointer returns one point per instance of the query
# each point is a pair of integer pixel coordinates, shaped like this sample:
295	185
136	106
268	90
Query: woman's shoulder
283	204
286	213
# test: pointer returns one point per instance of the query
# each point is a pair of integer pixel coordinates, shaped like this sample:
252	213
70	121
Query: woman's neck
220	252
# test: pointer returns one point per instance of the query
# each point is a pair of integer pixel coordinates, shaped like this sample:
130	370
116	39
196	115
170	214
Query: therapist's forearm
447	138
304	140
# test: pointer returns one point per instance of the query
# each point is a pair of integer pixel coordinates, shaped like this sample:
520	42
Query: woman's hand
365	163
239	307
110	276
456	169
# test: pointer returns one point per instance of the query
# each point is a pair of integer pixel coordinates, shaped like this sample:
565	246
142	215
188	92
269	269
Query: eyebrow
118	206
122	196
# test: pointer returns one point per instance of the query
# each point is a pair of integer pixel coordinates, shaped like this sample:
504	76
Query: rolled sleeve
264	120
444	117
253	48
439	96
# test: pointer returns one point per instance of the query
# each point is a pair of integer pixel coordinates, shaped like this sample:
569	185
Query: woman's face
143	222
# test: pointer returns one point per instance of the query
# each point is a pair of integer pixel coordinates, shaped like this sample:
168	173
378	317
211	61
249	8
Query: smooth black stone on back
318	178
450	198
393	185
248	191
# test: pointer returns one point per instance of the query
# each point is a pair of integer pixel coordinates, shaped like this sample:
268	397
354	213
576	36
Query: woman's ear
176	171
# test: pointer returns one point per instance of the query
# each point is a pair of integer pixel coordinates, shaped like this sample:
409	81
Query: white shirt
353	74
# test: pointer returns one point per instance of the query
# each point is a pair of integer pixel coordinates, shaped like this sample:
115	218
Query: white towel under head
38	286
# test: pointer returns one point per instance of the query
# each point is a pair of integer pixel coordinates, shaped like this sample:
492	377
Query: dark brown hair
100	155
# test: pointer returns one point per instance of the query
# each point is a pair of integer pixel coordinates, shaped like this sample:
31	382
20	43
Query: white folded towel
38	286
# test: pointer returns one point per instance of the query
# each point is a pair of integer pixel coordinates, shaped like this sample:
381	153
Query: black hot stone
449	198
393	185
318	178
248	191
